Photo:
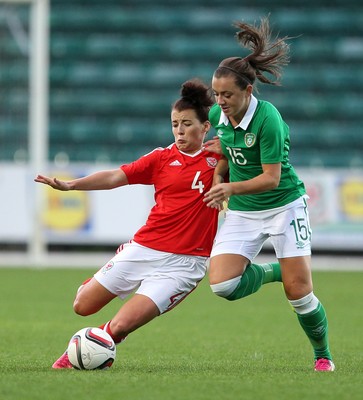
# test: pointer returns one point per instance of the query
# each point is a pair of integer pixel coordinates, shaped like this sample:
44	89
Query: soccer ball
91	348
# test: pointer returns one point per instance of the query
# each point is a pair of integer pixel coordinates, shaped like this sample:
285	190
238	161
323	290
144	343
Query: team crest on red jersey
212	162
107	267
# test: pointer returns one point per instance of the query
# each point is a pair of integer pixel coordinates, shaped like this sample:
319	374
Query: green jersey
262	137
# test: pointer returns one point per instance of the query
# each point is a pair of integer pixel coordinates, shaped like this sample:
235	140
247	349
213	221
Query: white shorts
244	233
165	278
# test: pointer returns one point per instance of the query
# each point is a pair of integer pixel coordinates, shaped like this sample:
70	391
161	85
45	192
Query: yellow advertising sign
66	210
351	195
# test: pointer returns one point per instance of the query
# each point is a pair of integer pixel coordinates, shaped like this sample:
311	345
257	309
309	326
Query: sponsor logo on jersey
175	163
212	162
300	244
219	133
250	139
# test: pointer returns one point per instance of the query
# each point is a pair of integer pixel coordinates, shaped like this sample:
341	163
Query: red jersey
180	222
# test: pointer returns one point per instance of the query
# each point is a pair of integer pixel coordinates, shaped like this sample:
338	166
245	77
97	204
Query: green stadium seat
319	22
116	68
328	50
63	45
14	72
317	106
326	135
327	159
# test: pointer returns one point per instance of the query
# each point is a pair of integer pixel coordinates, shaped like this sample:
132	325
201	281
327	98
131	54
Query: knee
297	290
81	308
226	288
296	277
297	287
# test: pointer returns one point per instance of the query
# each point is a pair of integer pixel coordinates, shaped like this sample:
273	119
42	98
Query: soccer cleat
62	362
323	364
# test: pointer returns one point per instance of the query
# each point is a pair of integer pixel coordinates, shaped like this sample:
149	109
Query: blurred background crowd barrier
115	67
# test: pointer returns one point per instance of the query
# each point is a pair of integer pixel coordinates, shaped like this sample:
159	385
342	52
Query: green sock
272	272
254	277
315	325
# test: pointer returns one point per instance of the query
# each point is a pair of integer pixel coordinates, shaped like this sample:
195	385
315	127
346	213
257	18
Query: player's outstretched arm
103	180
53	182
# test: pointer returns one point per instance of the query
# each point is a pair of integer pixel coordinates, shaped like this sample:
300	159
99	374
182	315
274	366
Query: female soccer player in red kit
166	259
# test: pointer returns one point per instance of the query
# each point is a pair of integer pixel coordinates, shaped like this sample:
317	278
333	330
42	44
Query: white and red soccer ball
91	348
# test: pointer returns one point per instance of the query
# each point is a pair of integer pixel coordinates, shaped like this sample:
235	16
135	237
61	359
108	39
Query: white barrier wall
99	217
111	217
335	207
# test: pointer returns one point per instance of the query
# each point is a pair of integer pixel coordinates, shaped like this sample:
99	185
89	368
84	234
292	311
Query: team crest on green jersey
250	139
219	133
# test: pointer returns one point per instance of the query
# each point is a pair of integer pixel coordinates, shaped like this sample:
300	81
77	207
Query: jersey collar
191	155
223	119
186	154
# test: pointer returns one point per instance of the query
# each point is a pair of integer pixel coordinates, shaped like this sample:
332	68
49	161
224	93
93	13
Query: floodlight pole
38	119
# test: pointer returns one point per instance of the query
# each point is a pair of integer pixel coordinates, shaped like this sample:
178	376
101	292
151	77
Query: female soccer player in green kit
266	199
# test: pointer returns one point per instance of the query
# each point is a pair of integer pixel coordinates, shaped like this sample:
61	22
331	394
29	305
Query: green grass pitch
206	348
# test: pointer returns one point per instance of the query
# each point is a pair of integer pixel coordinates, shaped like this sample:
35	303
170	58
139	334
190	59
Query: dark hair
195	95
267	56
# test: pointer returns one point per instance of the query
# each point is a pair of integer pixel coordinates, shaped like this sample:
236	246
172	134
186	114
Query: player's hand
217	195
213	145
53	182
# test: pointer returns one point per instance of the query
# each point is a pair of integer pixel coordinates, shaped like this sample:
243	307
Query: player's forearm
101	180
259	184
220	171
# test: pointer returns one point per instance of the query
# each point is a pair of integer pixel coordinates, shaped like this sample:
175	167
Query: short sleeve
272	138
142	170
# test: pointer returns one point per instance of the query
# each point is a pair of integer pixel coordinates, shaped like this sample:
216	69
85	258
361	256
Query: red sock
106	328
86	281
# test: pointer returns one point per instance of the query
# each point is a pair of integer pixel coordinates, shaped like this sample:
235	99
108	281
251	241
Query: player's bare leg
91	298
136	312
296	275
233	277
225	267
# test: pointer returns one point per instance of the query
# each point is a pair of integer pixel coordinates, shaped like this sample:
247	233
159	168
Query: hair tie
237	73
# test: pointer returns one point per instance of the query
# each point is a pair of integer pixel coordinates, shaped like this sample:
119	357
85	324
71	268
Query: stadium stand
116	67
